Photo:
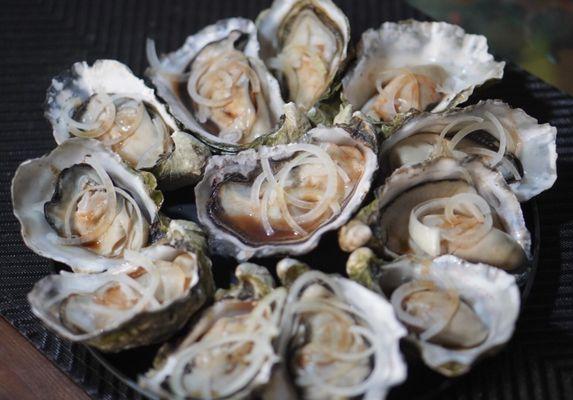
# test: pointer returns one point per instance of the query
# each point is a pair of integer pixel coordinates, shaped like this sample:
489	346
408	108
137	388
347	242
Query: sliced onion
107	219
492	154
156	65
96	127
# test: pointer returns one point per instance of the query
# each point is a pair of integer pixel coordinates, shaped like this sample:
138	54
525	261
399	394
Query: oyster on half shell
455	311
506	139
281	199
443	206
229	352
149	298
218	87
338	340
83	206
426	66
106	102
305	43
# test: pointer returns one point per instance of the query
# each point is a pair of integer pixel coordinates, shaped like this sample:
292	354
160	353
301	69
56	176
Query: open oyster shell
425	209
455	311
145	301
417	65
505	138
305	43
229	352
281	199
218	87
338	340
106	102
65	204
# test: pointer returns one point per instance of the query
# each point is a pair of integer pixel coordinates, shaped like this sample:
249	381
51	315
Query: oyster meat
505	138
145	301
305	42
81	205
229	352
455	311
281	199
444	207
218	87
106	102
338	340
413	65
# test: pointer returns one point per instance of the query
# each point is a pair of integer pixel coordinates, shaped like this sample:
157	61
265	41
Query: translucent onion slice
427	230
258	331
310	154
126	130
156	65
300	307
400	296
492	126
137	235
105	221
97	126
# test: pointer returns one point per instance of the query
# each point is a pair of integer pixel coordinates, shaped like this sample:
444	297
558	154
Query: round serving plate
422	383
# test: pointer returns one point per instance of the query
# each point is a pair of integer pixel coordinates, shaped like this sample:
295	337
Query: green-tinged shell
50	295
363	266
252	282
292	126
185	165
289	269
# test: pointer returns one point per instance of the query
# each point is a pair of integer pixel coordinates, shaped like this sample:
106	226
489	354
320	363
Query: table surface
40	38
25	373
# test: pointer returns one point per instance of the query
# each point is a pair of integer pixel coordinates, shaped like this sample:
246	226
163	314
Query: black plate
422	383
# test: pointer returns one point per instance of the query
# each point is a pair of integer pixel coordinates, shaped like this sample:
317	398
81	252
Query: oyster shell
417	65
229	352
218	87
455	311
505	138
281	199
81	205
338	340
443	206
106	102
145	301
305	42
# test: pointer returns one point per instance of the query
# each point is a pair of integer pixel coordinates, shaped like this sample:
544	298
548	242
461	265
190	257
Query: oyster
338	340
217	86
417	65
81	205
106	102
506	139
455	311
229	352
145	301
443	207
305	42
281	199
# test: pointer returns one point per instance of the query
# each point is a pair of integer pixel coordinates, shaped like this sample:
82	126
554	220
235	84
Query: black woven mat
38	39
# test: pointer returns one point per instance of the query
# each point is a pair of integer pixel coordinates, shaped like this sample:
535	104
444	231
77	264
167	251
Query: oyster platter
287	145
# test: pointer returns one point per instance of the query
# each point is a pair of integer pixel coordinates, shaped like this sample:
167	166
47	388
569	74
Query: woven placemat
38	39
